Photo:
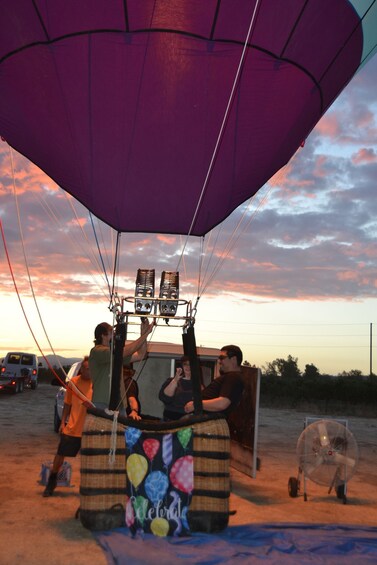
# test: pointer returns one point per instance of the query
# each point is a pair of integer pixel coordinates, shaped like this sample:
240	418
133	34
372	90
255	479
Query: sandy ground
36	530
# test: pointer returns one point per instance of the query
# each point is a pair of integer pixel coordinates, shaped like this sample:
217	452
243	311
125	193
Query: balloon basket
168	478
103	485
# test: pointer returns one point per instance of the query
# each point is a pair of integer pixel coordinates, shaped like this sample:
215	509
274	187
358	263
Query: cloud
329	126
364	155
309	234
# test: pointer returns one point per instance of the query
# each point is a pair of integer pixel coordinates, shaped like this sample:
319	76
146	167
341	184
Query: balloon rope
116	265
47	208
104	246
113	439
99	251
27	265
70	202
24	312
200	263
17	292
211	256
183	259
140	370
225	119
233	239
112	344
69	199
75	391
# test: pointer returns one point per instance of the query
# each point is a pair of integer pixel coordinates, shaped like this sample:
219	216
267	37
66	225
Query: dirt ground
36	530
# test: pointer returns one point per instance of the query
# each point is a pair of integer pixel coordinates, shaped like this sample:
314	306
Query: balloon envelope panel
121	103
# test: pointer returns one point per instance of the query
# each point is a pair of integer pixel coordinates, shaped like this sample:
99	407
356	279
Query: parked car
59	399
19	370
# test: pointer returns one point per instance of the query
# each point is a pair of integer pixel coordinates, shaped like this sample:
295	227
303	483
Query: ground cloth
253	543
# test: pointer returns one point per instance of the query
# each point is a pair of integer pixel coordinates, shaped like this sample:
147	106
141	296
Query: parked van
19	370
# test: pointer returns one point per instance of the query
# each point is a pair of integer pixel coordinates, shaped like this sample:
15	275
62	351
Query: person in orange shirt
73	418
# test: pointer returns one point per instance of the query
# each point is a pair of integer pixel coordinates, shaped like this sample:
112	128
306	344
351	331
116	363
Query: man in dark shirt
223	394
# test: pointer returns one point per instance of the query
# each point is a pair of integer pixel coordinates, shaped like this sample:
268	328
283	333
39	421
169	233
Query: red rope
23	310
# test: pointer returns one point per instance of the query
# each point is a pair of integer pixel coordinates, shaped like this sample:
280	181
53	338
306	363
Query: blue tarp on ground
279	544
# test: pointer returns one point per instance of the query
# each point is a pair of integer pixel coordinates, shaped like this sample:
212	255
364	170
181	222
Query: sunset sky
299	278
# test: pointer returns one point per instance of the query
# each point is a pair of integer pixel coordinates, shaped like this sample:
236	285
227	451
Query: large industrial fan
327	454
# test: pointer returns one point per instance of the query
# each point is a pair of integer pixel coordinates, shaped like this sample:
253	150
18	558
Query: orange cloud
321	167
266	266
290	185
329	126
358	249
80	221
347	276
135	244
365	119
281	177
168	239
364	156
27	177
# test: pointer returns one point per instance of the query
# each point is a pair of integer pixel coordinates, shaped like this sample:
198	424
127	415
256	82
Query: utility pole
371	349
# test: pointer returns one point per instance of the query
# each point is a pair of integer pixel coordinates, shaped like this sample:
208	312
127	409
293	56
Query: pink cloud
322	166
358	249
27	177
347	276
329	126
285	179
81	221
361	279
143	242
169	240
364	118
266	266
364	156
245	288
282	176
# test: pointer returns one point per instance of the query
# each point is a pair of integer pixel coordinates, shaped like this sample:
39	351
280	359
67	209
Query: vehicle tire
57	420
292	487
21	385
33	385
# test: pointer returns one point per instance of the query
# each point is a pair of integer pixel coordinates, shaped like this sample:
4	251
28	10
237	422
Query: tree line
284	385
288	368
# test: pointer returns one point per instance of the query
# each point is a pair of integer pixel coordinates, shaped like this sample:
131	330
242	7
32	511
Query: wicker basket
209	509
103	487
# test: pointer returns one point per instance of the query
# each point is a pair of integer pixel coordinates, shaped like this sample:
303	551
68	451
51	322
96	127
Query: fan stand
294	483
340	487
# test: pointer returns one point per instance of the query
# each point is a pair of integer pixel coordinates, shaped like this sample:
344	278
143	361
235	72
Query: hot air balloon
134	106
165	115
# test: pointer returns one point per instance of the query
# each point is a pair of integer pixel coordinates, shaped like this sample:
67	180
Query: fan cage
327	452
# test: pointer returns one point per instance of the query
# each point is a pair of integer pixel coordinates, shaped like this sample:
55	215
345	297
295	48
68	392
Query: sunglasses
222	357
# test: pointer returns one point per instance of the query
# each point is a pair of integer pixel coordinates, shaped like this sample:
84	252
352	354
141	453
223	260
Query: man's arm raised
138	348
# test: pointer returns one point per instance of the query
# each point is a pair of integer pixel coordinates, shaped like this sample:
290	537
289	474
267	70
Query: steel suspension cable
223	124
27	265
86	400
233	239
49	211
99	252
70	202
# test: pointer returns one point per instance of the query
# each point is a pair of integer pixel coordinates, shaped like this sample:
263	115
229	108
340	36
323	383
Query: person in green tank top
100	357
